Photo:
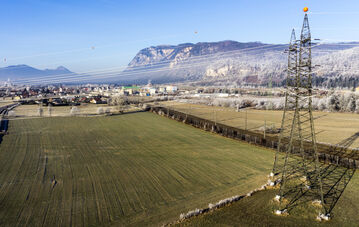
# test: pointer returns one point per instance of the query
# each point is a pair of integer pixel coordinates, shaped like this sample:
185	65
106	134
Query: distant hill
17	72
235	63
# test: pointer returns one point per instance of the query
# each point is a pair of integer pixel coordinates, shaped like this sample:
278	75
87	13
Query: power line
71	77
191	61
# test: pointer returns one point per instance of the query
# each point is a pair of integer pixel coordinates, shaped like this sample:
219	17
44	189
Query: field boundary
4	123
328	153
222	203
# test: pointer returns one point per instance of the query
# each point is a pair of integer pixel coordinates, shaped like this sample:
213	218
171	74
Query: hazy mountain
23	72
231	62
218	63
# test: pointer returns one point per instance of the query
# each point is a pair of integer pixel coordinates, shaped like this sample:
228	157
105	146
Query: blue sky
49	33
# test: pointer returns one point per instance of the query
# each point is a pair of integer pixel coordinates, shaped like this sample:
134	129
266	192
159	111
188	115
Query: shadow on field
113	114
129	112
335	179
3	128
132	112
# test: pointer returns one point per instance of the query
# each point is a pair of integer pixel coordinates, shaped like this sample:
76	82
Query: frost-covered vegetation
334	102
126	100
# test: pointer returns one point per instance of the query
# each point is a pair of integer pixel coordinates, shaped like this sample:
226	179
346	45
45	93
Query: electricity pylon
298	170
287	118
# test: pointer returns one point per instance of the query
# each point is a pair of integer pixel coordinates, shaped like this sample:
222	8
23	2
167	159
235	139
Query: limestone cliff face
231	62
176	54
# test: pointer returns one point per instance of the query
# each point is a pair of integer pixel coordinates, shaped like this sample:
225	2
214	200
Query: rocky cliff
231	62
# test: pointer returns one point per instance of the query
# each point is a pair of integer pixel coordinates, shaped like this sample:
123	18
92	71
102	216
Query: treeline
339	82
334	102
329	82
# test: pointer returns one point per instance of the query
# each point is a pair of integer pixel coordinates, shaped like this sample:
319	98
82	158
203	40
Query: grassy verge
257	210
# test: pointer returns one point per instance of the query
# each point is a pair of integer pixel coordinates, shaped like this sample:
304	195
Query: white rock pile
323	217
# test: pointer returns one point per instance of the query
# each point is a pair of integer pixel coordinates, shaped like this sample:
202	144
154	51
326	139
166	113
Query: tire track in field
81	199
22	216
92	182
107	176
139	169
40	190
27	179
124	177
154	161
140	165
193	169
100	168
38	186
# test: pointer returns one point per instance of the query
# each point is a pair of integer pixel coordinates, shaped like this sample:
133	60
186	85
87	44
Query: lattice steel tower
298	168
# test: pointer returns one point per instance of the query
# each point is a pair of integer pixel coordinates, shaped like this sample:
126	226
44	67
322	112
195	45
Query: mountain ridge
223	63
235	62
23	72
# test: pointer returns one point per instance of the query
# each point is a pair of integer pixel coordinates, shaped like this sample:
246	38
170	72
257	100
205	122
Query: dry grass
330	127
62	111
257	210
5	102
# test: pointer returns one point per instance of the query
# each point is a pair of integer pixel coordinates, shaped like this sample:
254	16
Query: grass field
132	169
330	127
257	211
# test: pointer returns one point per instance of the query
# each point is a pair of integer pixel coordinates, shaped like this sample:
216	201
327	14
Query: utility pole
187	111
265	129
49	109
40	110
215	117
245	120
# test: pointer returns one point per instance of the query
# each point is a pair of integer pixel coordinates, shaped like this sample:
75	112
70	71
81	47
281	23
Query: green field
330	127
257	210
132	169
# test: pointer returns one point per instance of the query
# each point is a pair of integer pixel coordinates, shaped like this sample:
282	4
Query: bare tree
49	109
357	106
333	103
100	110
74	110
351	103
40	111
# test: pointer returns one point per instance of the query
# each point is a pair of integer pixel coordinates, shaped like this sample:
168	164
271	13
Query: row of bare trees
334	102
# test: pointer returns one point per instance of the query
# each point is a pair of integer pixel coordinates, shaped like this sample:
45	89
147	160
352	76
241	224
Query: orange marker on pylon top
305	9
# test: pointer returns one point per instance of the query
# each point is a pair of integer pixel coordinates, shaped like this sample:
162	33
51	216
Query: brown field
330	127
62	111
5	102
